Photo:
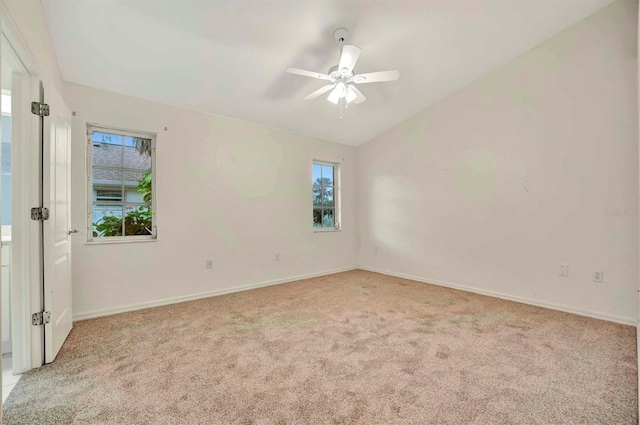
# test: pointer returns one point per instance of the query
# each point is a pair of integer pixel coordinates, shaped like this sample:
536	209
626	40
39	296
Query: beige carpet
355	347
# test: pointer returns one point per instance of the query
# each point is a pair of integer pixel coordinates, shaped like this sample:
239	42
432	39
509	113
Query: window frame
91	128
337	196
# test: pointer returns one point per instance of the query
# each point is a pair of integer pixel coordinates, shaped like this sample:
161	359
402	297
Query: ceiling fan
341	77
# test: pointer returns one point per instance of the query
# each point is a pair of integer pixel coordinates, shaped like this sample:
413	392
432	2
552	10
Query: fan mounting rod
340	35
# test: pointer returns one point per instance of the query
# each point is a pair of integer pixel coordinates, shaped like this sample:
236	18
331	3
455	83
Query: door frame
26	252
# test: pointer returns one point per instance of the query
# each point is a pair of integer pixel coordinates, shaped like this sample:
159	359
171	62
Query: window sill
117	240
326	230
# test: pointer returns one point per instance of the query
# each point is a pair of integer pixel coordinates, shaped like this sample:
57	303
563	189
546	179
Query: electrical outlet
598	277
564	270
209	264
277	256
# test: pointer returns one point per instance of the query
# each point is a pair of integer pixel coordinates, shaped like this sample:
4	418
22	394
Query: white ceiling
229	57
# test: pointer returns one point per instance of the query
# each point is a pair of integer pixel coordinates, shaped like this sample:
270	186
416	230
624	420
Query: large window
121	184
326	196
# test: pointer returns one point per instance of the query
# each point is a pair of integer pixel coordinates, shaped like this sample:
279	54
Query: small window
108	194
121	184
326	196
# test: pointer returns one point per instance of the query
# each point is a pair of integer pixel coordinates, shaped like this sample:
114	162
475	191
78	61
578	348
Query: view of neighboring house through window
121	184
325	196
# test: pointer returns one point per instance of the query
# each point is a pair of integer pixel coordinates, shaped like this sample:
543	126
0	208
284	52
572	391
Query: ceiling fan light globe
334	96
351	95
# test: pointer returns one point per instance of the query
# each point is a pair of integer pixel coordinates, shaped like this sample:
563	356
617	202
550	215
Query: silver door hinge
39	213
42	318
40	109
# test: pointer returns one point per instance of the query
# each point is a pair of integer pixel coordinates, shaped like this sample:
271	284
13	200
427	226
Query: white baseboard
180	299
552	306
174	300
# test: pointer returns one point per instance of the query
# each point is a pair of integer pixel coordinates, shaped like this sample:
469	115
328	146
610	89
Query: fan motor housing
336	75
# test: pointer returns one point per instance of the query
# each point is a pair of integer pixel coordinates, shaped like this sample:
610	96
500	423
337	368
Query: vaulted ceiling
228	57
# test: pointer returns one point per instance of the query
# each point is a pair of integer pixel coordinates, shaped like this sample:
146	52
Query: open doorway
35	231
35	228
20	255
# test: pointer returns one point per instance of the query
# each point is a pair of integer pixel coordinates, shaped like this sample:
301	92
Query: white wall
496	185
491	188
227	190
27	17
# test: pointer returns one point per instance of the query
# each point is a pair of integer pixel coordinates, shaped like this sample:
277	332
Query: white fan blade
334	96
305	73
348	58
320	91
360	97
376	77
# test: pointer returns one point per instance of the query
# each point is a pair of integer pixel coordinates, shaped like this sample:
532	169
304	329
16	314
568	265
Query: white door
56	172
26	249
